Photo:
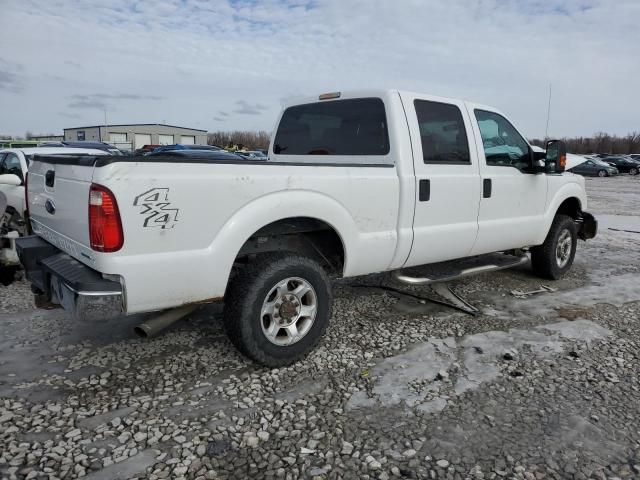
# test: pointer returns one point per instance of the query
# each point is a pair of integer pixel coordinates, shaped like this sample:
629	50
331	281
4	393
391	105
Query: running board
455	269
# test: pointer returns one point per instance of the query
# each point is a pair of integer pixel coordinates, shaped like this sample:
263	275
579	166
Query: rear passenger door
447	179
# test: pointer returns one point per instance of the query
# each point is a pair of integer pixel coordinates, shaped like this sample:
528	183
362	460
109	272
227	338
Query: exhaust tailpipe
155	325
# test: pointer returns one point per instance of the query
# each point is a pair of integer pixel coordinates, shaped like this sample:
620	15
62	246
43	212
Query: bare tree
601	142
249	140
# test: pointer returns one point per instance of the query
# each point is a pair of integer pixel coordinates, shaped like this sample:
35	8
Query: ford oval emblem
50	207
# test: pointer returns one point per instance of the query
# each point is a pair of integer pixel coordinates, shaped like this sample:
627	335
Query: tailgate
58	195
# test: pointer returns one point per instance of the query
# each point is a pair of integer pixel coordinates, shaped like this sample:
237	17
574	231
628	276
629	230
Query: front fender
566	191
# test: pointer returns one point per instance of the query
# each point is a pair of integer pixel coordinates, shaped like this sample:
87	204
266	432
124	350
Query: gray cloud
74	116
197	53
101	100
11	77
73	63
246	108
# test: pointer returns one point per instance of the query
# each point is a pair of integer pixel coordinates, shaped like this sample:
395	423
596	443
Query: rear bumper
62	280
588	226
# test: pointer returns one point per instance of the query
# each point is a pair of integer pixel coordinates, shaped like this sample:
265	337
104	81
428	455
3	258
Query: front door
513	197
447	179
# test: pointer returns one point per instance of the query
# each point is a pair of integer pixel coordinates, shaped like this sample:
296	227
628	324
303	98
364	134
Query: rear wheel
633	171
277	308
602	173
555	256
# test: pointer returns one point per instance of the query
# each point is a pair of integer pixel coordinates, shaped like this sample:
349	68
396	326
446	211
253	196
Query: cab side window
503	145
11	164
442	133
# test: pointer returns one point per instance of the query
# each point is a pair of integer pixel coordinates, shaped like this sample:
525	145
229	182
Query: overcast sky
225	64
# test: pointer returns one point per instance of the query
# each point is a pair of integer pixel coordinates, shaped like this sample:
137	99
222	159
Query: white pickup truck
355	183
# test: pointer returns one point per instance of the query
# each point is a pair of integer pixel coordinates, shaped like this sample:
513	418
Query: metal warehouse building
130	137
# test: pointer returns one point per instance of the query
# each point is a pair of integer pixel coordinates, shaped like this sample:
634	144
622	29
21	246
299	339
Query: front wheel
633	171
277	308
602	173
555	256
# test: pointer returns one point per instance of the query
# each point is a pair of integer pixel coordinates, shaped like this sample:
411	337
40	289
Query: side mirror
556	158
10	179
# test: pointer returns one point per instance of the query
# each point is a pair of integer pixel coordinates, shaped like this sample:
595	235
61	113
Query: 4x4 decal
156	208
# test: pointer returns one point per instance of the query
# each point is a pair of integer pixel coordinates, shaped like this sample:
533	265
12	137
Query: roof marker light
329	96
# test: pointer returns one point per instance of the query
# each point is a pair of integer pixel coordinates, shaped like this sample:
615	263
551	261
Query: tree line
601	142
249	140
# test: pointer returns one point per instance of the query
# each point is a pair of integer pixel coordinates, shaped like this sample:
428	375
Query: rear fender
278	206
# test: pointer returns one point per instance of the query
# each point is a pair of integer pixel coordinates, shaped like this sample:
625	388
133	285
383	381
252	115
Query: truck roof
379	93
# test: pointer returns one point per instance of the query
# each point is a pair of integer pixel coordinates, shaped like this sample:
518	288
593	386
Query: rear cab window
349	127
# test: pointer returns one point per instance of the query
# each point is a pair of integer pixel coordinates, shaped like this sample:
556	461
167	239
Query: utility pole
546	130
105	123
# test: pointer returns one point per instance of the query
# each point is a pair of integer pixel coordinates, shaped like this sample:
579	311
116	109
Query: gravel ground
542	387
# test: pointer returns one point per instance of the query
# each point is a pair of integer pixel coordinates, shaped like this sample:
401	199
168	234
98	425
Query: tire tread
241	297
543	260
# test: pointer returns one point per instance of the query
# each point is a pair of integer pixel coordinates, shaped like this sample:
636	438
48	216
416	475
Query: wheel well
304	235
571	207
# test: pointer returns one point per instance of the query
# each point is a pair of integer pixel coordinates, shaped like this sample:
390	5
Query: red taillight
105	228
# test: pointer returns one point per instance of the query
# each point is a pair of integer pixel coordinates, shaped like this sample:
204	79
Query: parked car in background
145	149
19	143
254	155
624	164
105	147
14	164
594	167
635	156
206	155
179	146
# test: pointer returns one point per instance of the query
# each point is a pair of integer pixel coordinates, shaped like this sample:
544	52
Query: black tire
243	305
7	275
544	257
602	173
633	171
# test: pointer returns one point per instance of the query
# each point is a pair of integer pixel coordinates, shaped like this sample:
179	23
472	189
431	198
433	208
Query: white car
15	161
14	164
356	183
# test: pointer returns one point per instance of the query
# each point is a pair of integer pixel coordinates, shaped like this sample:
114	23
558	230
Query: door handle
49	178
424	190
486	188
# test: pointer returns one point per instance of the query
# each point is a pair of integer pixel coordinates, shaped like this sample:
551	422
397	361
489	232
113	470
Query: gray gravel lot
542	387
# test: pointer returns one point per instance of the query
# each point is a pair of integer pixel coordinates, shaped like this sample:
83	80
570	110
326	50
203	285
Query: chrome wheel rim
602	173
288	311
563	248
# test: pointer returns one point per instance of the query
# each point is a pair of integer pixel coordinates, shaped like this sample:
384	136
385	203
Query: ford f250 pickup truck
355	183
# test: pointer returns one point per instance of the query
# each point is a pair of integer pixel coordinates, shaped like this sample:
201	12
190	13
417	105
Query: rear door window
340	127
442	133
